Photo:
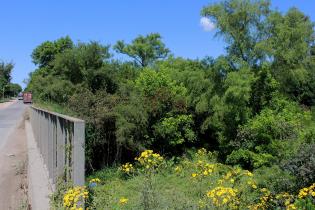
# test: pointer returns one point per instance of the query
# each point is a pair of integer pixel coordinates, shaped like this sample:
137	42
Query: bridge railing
60	140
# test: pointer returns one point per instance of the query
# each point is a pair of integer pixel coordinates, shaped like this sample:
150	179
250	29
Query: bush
176	130
302	165
272	135
275	179
249	160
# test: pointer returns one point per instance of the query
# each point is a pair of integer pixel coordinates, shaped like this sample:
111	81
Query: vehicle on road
27	97
20	96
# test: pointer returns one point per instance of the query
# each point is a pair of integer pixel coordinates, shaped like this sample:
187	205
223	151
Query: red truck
27	97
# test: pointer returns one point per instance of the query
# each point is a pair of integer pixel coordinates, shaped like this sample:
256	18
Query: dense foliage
8	89
251	106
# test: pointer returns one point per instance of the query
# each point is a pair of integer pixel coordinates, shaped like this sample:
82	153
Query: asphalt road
9	118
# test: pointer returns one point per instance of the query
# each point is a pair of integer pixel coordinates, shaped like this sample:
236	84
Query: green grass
53	107
171	186
170	189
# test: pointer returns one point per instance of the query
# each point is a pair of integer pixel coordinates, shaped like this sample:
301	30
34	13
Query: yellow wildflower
221	196
194	175
123	201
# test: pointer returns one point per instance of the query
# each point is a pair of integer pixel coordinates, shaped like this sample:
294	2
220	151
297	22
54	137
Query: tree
45	53
292	37
5	72
290	48
83	64
13	89
264	88
232	108
144	49
5	76
242	24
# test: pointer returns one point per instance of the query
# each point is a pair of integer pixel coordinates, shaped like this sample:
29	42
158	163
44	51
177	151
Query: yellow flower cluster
123	201
263	204
252	184
127	168
248	173
150	160
291	207
95	180
307	191
74	198
204	169
231	176
194	175
224	196
286	198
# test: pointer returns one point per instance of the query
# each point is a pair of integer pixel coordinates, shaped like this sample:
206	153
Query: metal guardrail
60	140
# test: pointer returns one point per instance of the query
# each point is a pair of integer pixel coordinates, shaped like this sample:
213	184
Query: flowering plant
75	198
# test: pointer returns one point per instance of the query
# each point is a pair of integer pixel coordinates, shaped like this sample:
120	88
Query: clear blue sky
26	24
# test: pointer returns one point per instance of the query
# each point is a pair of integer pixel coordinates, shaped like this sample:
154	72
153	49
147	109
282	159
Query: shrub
249	160
302	165
176	130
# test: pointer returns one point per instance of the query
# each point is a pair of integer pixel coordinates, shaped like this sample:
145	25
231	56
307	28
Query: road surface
13	157
9	118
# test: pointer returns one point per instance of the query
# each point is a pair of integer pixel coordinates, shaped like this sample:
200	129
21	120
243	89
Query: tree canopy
6	87
144	49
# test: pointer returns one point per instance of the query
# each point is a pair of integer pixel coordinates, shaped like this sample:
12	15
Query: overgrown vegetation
194	181
252	107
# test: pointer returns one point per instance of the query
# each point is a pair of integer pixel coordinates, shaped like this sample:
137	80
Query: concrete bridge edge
39	187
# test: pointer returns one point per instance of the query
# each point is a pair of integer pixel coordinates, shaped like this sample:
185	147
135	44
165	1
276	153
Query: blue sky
26	24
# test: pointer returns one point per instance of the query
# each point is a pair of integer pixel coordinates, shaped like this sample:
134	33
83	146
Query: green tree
45	53
231	109
5	76
242	24
290	47
13	89
82	63
144	49
264	88
5	72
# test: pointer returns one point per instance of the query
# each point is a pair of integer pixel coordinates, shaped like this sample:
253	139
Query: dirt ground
13	171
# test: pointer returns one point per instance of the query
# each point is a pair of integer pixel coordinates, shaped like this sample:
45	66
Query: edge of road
39	188
6	104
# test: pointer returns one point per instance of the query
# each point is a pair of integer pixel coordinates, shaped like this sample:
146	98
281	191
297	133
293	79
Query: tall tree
5	74
290	48
242	24
45	53
144	49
